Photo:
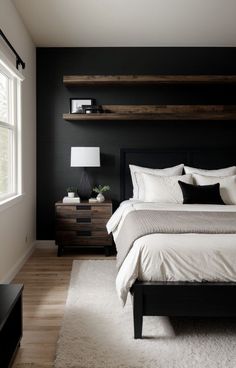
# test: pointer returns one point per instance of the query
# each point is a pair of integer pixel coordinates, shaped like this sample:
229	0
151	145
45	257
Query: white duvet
174	257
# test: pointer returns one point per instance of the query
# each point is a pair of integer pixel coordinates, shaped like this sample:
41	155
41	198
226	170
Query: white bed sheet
174	257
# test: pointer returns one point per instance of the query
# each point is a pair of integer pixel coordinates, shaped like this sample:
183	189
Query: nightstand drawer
77	224
81	232
101	212
83	211
81	238
73	211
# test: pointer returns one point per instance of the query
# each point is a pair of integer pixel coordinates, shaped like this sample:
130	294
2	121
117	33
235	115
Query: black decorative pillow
202	194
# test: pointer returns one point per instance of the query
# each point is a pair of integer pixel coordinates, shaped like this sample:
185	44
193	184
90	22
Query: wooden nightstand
83	225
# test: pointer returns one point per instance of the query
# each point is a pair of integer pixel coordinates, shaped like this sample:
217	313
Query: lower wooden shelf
159	112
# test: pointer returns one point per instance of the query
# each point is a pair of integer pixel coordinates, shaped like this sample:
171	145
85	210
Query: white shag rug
98	333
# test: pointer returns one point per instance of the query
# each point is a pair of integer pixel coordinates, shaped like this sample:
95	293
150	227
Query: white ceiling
77	23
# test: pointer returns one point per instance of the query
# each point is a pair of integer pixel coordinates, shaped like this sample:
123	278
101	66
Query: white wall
18	223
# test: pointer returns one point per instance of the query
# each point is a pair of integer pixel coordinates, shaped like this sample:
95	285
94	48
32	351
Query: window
10	137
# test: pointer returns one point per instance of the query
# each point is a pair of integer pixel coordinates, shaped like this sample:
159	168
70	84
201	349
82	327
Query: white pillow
137	179
164	189
228	171
227	186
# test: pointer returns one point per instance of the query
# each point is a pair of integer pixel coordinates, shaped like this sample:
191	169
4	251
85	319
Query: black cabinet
10	322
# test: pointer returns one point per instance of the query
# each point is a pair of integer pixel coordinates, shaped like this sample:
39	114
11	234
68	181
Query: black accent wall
55	136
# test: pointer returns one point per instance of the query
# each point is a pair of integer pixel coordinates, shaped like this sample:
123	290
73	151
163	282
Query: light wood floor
46	279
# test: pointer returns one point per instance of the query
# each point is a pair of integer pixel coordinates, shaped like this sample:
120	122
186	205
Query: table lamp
85	157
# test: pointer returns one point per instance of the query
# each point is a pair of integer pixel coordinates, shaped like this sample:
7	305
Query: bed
177	297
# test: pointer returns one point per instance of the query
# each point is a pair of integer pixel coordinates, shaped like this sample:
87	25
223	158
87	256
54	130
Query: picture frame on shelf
76	104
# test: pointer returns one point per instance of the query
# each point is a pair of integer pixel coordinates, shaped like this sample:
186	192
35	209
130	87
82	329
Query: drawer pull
83	219
83	233
85	208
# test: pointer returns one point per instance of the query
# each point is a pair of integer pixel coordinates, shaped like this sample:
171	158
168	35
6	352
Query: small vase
71	194
100	197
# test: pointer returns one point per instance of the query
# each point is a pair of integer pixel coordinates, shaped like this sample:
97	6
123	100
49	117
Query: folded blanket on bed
144	222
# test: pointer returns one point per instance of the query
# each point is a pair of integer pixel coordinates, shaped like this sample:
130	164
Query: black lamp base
85	185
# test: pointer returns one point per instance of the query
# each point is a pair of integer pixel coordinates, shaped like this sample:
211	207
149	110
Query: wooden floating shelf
159	112
102	80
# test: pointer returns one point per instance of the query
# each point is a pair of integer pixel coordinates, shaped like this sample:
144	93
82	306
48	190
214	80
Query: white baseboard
45	243
18	265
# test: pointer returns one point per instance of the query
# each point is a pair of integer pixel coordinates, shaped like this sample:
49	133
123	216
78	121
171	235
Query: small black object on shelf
94	109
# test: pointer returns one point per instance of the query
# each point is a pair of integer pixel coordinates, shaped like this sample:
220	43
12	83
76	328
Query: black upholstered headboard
161	158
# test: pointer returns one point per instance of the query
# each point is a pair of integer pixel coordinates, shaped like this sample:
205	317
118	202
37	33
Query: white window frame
13	124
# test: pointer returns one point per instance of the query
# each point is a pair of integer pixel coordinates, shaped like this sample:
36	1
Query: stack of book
71	200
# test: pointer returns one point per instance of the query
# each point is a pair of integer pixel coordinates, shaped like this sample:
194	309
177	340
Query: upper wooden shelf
159	112
100	80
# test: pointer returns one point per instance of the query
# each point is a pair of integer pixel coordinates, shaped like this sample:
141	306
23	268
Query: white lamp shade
85	157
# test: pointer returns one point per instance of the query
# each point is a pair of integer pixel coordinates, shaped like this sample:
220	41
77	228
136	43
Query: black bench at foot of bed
195	299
